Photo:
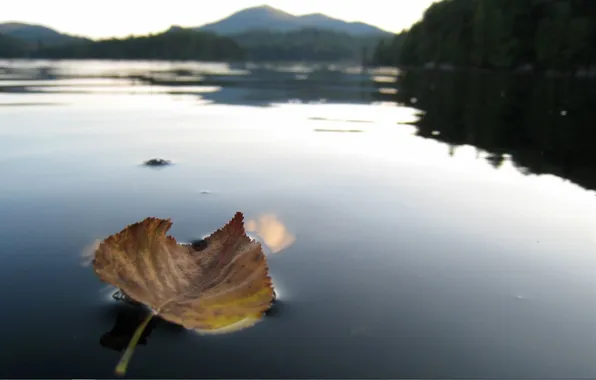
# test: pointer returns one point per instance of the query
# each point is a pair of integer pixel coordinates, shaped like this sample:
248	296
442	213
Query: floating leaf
220	285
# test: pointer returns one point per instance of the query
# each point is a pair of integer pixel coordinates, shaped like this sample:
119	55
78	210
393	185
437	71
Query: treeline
11	47
176	44
308	44
499	34
388	50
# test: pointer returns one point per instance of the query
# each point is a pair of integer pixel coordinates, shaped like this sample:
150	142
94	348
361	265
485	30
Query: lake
417	224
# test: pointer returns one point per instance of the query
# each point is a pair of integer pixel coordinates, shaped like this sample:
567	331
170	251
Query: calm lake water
417	224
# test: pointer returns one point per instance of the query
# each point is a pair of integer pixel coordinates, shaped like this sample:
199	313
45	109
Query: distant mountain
269	18
37	34
256	34
11	47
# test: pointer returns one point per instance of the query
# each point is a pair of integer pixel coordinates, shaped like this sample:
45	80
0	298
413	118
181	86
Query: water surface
428	229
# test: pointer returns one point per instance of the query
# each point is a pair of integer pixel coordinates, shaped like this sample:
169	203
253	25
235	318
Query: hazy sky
109	18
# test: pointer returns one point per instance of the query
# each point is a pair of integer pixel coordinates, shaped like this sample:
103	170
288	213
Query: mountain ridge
247	19
37	33
263	32
268	17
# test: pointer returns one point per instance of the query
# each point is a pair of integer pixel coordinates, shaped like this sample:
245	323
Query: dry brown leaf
222	285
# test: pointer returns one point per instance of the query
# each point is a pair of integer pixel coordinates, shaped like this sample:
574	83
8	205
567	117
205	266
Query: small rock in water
157	162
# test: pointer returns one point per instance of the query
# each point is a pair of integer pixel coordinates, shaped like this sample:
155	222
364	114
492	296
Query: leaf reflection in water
271	231
127	321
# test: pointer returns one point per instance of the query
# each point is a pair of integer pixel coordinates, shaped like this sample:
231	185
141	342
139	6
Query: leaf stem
123	364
